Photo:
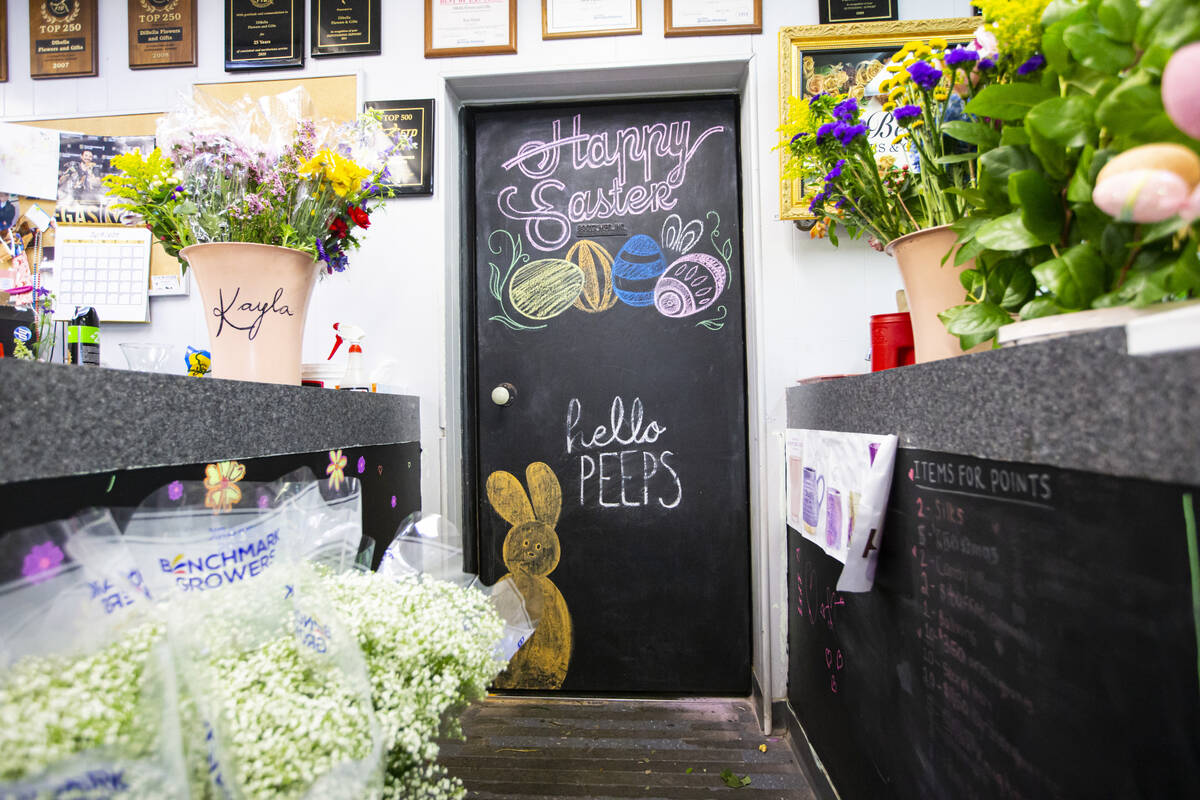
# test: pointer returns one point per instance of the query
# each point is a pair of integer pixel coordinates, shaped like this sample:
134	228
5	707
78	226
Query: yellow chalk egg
596	264
1170	157
545	288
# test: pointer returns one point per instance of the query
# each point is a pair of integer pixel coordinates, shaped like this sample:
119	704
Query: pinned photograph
83	161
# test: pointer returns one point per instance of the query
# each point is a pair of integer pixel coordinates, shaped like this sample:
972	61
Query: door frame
630	81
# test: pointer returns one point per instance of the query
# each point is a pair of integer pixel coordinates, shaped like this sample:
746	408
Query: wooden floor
520	747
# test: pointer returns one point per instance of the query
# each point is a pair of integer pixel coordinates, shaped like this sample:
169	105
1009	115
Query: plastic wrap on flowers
279	704
88	700
193	536
428	545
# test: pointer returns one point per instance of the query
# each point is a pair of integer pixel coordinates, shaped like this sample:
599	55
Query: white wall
812	304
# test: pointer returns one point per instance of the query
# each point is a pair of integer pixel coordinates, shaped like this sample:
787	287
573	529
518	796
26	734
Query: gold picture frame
635	27
851	39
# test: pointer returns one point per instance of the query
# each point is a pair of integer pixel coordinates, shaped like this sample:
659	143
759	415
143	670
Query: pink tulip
1141	195
985	43
1191	207
1181	91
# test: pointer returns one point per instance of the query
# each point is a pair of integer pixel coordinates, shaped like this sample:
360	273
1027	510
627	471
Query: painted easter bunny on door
531	551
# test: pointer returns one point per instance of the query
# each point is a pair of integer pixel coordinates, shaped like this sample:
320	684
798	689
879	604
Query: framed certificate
345	28
470	27
712	17
566	19
162	33
62	38
264	34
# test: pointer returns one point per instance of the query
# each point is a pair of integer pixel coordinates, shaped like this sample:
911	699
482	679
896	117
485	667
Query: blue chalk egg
636	268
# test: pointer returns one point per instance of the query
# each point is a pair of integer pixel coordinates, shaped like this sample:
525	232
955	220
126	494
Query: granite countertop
1077	402
59	420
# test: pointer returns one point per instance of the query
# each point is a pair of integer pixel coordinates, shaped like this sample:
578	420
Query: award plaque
410	125
162	33
345	28
834	11
264	34
62	38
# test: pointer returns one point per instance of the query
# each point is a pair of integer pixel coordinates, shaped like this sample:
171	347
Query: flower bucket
255	300
931	287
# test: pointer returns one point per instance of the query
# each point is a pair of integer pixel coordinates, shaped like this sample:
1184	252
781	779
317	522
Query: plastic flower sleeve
87	686
428	546
192	536
280	689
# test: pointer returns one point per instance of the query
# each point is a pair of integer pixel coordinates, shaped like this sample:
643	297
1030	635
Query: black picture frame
346	28
277	41
832	12
412	172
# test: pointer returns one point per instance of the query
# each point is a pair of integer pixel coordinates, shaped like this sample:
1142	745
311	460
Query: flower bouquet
253	196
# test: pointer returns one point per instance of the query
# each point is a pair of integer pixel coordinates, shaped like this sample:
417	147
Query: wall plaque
833	11
410	124
264	34
62	38
345	28
162	33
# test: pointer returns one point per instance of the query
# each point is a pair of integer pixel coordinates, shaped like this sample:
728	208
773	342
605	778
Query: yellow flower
889	106
900	138
220	480
938	43
898	56
923	52
895	94
902	78
911	46
344	175
894	67
941	95
916	123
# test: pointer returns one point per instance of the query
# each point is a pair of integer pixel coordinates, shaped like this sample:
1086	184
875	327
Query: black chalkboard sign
1031	634
608	298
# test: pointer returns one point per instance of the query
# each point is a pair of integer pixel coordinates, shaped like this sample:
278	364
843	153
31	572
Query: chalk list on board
1030	635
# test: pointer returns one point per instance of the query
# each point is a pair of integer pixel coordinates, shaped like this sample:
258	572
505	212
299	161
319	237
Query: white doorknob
503	394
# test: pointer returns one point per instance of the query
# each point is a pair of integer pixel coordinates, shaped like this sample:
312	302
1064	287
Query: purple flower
846	110
849	133
813	99
986	63
925	75
321	251
362	465
828	129
799	136
906	112
960	55
255	204
840	202
175	490
1032	64
814	205
41	562
836	172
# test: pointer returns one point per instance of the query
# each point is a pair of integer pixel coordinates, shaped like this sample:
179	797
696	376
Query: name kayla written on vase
617	466
255	312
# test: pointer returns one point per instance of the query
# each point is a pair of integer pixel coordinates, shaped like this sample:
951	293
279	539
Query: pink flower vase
255	302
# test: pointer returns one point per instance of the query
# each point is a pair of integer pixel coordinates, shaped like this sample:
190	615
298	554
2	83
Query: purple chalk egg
691	284
636	268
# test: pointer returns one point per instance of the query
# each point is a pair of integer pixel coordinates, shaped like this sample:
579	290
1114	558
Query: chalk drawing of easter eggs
637	266
545	288
596	264
692	283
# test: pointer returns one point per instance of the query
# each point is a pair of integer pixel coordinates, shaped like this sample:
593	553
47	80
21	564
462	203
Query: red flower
338	228
360	216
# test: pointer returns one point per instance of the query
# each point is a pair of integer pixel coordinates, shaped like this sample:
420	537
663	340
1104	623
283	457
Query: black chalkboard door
608	301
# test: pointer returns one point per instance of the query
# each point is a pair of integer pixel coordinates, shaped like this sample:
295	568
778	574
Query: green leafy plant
1041	246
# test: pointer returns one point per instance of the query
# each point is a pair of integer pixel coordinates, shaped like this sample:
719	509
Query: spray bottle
355	379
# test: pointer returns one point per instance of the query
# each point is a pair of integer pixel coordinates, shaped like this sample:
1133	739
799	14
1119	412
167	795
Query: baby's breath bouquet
262	172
